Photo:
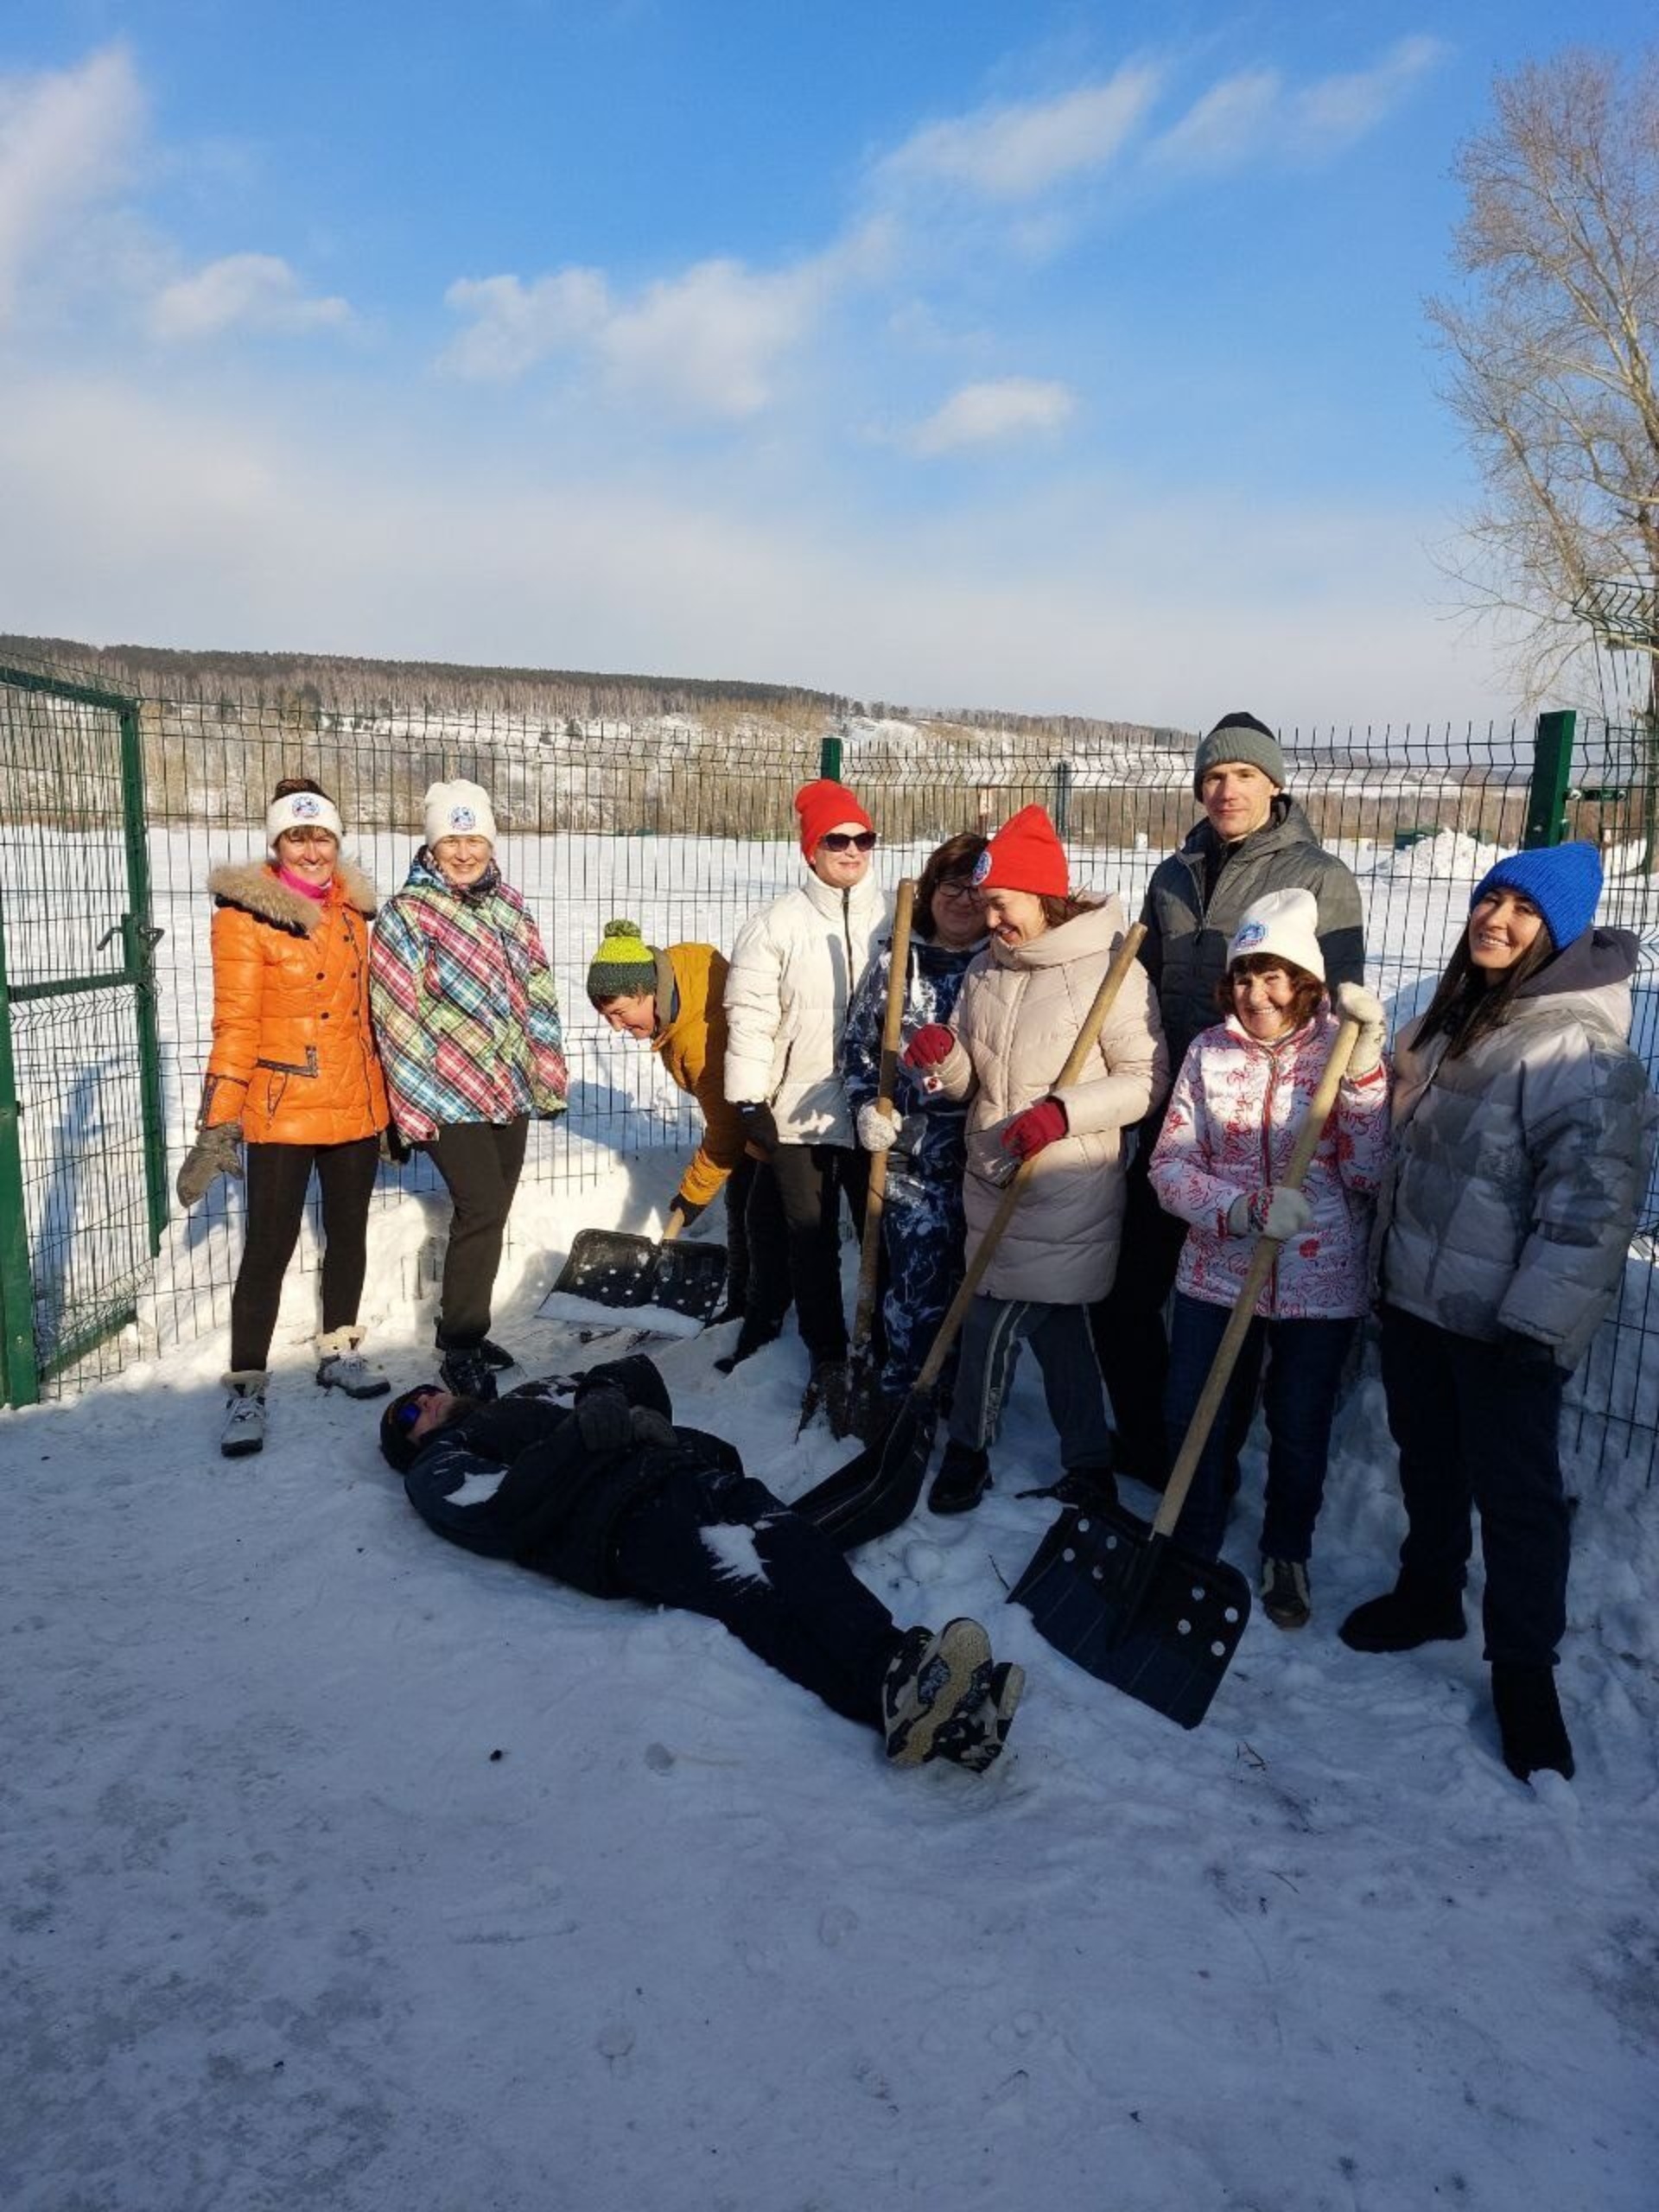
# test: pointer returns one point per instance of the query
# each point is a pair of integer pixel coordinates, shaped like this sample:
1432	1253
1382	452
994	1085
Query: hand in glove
1273	1209
930	1047
1356	1003
1524	1350
760	1126
1039	1125
681	1215
216	1152
652	1427
877	1132
605	1418
395	1149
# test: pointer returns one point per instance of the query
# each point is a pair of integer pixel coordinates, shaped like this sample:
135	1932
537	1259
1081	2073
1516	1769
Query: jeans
481	1163
1477	1426
278	1176
717	1542
1304	1372
991	1338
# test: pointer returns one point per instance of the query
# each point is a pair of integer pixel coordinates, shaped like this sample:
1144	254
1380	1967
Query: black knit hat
398	1447
1239	737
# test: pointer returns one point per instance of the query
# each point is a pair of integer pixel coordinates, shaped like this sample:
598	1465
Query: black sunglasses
845	841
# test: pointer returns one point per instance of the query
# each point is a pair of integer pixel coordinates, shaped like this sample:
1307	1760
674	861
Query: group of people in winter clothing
1479	1191
332	1047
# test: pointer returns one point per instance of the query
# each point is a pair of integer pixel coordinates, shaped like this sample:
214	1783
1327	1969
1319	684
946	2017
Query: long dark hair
1466	1007
954	858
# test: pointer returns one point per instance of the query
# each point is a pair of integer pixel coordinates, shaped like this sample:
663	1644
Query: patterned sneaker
977	1736
342	1366
1286	1598
930	1680
244	1431
465	1370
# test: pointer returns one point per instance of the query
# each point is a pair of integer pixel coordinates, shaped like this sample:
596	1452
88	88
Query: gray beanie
1238	737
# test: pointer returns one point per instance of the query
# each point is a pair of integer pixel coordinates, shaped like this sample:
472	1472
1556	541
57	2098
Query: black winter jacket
1185	951
559	1505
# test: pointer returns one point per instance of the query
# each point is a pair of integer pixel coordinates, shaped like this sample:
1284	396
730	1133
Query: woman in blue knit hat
1523	1130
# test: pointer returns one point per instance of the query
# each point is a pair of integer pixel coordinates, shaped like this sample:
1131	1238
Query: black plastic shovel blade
1135	1611
612	1268
877	1491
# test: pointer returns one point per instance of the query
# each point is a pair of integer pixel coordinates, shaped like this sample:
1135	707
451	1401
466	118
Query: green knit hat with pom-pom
625	966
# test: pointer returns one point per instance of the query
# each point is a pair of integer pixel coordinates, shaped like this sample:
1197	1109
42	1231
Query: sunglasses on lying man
847	840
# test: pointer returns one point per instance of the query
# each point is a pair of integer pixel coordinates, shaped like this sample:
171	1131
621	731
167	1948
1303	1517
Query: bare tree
1553	345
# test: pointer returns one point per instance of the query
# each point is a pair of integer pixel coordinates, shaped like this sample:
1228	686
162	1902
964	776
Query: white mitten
1273	1210
1356	1003
877	1131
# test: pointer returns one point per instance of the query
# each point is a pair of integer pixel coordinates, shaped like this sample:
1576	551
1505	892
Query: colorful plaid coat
465	1012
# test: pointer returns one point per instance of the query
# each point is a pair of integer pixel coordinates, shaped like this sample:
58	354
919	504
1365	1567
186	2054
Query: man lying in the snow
588	1479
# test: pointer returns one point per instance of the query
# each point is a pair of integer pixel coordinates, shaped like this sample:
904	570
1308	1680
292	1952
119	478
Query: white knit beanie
302	811
458	810
1284	926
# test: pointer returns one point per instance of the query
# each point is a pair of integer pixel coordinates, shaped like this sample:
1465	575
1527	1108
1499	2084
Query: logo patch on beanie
983	866
304	806
1251	933
461	819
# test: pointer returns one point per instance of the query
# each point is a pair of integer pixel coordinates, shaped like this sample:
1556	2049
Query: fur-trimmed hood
255	887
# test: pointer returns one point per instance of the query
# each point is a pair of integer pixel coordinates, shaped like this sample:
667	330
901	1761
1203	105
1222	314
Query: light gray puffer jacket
1020	1010
1519	1168
790	981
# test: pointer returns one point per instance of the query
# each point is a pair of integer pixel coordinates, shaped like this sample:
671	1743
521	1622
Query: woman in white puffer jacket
1022	1007
793	974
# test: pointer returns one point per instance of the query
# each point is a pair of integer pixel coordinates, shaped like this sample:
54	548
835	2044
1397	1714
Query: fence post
20	1374
1062	807
829	759
1552	774
138	937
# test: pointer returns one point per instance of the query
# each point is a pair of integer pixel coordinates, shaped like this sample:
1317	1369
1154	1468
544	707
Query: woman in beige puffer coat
1021	1008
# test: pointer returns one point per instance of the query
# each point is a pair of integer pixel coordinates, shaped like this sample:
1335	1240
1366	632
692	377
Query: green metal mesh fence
684	827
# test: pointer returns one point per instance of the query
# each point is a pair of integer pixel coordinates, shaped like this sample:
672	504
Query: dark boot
1409	1614
1529	1721
751	1337
465	1369
964	1477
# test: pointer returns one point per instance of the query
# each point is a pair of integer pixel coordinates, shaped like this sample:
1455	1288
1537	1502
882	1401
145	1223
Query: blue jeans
1304	1363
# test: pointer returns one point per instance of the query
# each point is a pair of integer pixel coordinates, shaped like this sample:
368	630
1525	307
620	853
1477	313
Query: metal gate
83	1169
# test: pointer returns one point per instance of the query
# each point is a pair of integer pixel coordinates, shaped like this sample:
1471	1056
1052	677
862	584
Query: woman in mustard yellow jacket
673	1000
293	1073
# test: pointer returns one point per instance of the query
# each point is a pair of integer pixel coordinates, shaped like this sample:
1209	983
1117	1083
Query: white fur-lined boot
341	1366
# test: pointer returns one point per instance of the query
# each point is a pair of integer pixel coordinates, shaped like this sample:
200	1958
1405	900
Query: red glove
930	1047
1027	1133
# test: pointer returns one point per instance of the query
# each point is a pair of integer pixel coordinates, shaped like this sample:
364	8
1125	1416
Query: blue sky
1056	357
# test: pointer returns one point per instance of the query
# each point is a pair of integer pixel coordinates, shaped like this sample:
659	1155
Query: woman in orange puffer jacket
294	1072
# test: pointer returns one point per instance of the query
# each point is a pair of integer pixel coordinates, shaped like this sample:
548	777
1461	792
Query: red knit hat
825	805
1025	855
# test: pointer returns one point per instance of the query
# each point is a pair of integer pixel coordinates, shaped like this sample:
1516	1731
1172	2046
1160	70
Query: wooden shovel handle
1077	1058
869	1256
1267	1251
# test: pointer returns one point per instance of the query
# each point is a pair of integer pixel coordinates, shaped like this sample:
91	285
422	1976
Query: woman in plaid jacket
466	1019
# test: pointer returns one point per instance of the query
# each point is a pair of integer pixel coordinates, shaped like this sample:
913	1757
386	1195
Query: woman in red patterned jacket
1238	1104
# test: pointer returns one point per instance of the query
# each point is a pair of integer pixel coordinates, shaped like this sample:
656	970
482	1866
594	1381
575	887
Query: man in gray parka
1254	839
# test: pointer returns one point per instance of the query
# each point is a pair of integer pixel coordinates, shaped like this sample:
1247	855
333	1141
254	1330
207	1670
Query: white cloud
1018	150
67	141
708	341
1256	117
986	413
245	291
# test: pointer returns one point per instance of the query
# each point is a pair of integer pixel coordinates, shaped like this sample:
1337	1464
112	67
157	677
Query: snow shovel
876	1492
670	1289
1117	1594
863	1370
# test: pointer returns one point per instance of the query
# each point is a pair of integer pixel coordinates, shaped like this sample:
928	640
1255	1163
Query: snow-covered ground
345	1870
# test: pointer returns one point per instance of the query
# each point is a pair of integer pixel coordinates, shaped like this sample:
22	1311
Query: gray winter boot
245	1413
341	1366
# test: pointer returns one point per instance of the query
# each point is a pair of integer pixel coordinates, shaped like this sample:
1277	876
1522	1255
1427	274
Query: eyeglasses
963	894
405	1416
847	840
